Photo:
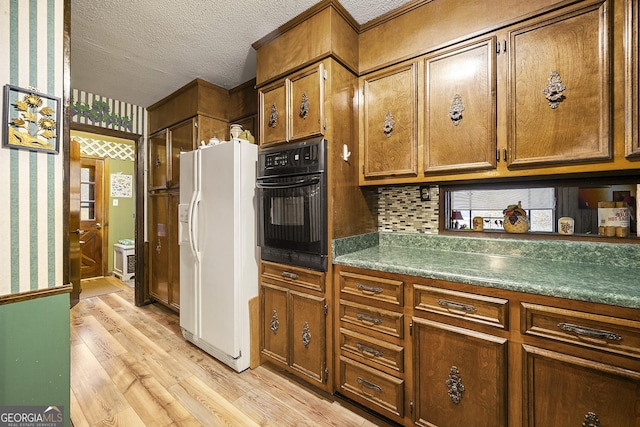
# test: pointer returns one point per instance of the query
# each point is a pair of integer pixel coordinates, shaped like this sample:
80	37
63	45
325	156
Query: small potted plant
515	219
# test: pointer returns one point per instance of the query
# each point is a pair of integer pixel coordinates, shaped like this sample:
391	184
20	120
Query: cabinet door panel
559	91
308	335
273	114
174	248
632	81
182	139
158	160
159	247
306	113
275	321
460	376
562	390
390	122
460	125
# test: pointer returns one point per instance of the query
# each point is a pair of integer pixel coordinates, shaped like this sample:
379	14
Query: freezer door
189	271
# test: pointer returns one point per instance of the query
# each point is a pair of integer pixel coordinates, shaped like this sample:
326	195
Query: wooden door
564	390
558	93
460	100
308	336
460	376
158	169
182	139
159	247
390	122
275	324
306	112
273	114
91	217
75	232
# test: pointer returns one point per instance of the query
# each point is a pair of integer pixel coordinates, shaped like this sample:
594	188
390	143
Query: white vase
235	130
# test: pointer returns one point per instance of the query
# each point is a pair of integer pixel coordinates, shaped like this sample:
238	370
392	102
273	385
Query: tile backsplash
400	209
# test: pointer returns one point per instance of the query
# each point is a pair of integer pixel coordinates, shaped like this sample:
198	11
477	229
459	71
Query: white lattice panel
102	148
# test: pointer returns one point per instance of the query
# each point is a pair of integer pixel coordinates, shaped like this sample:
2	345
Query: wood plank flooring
130	366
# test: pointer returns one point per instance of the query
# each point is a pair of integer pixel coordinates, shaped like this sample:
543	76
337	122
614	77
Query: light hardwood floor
130	366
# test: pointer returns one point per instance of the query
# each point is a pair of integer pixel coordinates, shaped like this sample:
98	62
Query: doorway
112	155
92	214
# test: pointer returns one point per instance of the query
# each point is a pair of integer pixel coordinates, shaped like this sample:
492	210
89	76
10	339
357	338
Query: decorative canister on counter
565	225
235	130
613	219
477	223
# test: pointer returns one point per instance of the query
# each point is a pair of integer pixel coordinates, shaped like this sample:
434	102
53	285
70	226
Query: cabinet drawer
383	392
375	319
294	276
372	351
610	334
474	308
371	288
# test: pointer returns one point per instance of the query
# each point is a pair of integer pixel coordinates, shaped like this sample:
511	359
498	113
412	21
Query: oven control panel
293	159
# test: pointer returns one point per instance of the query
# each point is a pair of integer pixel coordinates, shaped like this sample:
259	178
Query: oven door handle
295	184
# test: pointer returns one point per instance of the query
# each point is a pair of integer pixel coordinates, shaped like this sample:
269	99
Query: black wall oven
292	210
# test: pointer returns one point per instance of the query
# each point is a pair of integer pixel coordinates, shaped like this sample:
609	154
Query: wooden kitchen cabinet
389	122
460	376
164	273
370	358
460	108
632	78
294	321
531	97
292	109
589	379
558	88
565	390
158	169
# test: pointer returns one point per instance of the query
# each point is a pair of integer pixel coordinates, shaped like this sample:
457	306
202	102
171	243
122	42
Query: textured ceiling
139	51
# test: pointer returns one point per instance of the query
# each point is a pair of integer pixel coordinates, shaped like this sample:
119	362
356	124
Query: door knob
98	226
78	231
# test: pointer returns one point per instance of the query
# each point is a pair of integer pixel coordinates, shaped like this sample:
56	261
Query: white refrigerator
218	248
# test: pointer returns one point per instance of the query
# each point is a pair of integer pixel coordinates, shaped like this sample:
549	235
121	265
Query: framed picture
31	120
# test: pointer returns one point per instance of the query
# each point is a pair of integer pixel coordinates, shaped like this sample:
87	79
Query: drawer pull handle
288	275
369	385
589	332
365	318
369	290
457	306
368	351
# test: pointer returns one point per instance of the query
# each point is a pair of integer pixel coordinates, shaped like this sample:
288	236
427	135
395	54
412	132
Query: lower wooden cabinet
164	251
460	376
294	322
451	354
564	390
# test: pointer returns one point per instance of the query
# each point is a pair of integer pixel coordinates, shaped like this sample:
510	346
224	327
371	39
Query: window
545	202
539	203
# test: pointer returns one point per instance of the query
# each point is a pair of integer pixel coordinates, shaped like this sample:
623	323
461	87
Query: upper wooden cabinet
293	108
632	78
389	122
460	101
558	94
543	94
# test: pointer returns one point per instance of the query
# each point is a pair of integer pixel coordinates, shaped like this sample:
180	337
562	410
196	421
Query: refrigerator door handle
193	225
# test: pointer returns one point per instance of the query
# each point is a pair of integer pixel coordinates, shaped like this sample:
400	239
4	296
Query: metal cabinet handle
456	306
368	351
289	275
589	332
369	385
369	290
158	247
365	318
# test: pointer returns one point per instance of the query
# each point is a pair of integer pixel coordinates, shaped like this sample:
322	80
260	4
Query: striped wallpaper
90	109
31	194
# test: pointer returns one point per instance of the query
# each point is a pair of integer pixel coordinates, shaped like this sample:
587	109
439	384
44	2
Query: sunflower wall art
31	120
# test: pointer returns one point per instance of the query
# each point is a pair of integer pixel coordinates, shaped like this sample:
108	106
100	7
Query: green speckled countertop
588	271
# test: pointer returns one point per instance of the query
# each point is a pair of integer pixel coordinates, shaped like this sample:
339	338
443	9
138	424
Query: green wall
121	217
34	353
